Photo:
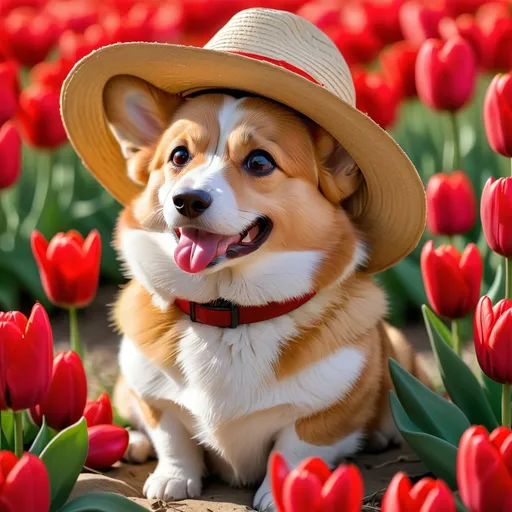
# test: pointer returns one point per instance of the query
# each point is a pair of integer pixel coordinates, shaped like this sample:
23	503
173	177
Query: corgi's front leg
295	451
180	460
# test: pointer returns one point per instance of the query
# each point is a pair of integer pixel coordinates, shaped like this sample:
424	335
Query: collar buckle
218	305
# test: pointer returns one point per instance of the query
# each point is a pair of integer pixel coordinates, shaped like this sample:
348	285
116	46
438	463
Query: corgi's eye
260	162
180	156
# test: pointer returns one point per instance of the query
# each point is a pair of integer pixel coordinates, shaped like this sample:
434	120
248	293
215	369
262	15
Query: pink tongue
196	249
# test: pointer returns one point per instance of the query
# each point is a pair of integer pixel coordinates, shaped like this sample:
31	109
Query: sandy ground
101	345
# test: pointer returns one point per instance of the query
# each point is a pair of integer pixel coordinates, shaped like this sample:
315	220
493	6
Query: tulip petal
500	348
279	472
439	499
482	323
483	479
7	461
301	492
344	490
501	438
397	498
317	466
27	487
471	268
39	246
99	412
107	444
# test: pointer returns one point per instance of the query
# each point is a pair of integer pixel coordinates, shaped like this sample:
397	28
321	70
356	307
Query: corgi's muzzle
190	202
198	249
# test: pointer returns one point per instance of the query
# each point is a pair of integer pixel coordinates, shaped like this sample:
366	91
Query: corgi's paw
139	448
170	483
263	499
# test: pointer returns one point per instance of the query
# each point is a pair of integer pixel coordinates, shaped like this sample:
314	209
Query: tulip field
437	74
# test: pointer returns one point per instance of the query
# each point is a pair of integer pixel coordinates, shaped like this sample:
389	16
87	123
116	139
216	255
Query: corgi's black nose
190	202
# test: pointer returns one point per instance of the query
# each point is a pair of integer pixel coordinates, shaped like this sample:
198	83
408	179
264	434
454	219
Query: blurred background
49	190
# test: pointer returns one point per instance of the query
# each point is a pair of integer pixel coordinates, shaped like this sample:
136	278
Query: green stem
18	434
456	337
505	405
74	337
456	141
508	278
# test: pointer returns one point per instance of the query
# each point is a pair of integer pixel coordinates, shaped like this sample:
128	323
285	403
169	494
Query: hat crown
283	36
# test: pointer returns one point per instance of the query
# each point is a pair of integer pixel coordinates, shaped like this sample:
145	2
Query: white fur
223	215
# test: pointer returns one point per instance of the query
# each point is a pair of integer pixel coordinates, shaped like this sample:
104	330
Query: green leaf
431	412
493	393
46	434
30	429
458	379
438	455
64	458
7	423
102	502
497	290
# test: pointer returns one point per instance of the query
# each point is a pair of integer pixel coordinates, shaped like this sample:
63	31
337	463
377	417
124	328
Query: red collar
222	313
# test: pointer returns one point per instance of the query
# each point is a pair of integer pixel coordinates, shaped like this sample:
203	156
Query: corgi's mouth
198	249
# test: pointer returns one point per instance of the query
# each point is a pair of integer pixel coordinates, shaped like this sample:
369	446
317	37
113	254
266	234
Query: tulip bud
491	328
65	402
9	90
452	281
375	97
26	349
107	444
10	155
69	266
99	412
50	74
398	64
498	114
483	469
445	73
427	495
40	117
28	35
496	215
24	484
420	22
451	204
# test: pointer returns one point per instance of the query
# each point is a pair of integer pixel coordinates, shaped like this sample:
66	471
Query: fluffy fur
313	382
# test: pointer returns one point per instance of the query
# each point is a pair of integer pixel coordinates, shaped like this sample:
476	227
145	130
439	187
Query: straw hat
277	55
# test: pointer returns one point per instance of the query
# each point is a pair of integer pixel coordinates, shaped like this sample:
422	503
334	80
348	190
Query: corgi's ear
339	175
137	114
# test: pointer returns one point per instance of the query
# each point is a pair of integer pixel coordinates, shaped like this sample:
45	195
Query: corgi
241	215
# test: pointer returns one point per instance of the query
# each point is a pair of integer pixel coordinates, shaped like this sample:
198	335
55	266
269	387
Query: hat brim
389	208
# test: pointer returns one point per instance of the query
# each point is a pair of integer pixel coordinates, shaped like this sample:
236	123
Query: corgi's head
242	188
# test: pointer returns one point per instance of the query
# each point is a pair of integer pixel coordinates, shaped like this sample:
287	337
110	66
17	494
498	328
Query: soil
101	345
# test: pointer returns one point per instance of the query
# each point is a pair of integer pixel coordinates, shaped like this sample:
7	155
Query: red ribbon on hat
281	64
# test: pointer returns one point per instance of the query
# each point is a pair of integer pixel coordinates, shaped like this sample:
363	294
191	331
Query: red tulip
466	27
73	46
428	495
375	97
311	487
498	114
357	44
6	6
24	484
496	24
385	19
398	64
320	14
484	465
9	90
40	117
455	8
452	281
73	15
166	23
69	266
133	26
26	352
420	22
107	444
445	73
491	329
51	74
29	35
451	204
65	402
10	155
496	215
99	412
